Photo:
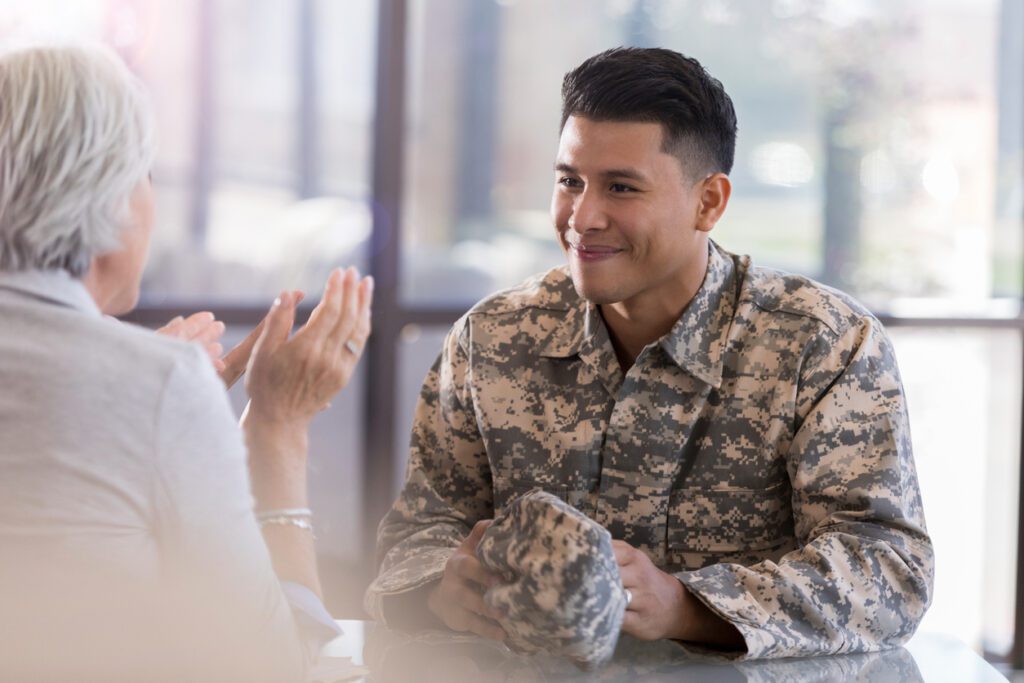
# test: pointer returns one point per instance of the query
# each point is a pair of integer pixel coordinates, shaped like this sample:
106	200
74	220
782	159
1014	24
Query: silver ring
350	345
629	597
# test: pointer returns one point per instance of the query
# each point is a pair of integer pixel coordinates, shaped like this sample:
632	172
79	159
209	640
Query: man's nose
588	212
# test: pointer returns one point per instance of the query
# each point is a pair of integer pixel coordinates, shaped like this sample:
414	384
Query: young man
741	432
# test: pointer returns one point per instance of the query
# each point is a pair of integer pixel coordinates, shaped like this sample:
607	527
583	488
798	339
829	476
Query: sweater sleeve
216	567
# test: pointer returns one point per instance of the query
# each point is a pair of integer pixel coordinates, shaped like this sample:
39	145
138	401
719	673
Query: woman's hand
290	380
236	360
205	329
202	328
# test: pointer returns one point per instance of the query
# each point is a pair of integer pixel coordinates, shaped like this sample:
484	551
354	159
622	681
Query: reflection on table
440	656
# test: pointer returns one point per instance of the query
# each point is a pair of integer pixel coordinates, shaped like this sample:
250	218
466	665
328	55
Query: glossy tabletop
394	657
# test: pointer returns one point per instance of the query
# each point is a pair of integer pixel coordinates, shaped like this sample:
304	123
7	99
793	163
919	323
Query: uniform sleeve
216	566
862	576
448	486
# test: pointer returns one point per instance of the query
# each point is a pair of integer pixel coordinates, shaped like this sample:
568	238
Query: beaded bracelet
303	523
298	513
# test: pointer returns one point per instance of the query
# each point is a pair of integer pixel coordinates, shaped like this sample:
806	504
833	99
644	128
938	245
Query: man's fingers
473	600
630	622
476	533
277	325
631	580
482	626
624	553
469	568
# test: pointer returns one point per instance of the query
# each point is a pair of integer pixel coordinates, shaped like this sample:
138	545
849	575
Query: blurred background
880	150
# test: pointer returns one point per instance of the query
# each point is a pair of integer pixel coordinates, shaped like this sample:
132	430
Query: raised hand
292	378
202	328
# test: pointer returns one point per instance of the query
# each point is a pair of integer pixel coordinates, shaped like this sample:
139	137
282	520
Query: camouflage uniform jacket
760	452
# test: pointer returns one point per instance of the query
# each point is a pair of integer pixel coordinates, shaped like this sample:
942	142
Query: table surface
452	658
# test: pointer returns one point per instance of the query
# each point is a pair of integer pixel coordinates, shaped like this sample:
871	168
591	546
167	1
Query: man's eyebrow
628	173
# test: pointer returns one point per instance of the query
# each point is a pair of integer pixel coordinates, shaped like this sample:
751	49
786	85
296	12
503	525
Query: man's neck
637	322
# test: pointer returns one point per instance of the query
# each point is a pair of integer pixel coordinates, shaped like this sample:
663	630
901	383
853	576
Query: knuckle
457	563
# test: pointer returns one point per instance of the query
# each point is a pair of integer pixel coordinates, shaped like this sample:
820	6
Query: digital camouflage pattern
760	452
562	593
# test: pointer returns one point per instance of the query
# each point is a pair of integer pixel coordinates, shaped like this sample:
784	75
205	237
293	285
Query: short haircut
655	85
76	136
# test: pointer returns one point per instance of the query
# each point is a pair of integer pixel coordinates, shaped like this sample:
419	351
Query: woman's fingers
196	327
237	359
277	325
172	328
361	333
348	315
325	314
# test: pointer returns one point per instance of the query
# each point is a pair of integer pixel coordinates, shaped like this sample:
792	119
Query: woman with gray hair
145	535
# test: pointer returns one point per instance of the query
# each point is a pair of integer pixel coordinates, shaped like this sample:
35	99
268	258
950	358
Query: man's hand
458	601
663	608
657	608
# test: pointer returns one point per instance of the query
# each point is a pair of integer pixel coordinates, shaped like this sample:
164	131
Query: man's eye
619	187
569	182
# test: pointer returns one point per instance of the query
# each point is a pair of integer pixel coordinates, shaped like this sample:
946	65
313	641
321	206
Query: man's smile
594	252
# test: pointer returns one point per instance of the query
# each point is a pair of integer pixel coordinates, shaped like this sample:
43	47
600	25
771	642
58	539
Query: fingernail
277	302
369	284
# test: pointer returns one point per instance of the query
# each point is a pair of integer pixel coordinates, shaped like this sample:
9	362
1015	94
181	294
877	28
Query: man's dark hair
655	85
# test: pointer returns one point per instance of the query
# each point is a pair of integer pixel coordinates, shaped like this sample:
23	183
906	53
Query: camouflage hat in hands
562	592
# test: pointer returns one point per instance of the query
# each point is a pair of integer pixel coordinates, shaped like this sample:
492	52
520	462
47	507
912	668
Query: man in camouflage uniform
742	433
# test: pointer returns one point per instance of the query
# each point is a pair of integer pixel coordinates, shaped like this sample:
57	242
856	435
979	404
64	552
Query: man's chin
595	294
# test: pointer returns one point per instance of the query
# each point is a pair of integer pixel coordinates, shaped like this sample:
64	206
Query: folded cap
561	590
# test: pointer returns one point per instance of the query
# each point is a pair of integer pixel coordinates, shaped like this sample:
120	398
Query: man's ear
714	197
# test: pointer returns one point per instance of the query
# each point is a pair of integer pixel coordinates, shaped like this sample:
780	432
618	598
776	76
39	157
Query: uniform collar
53	286
697	341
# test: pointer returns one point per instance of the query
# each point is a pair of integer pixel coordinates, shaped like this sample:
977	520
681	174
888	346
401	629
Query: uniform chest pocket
729	520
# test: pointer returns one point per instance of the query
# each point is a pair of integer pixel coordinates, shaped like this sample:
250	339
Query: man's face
625	213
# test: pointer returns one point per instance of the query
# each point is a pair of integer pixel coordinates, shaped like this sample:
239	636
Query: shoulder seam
802	314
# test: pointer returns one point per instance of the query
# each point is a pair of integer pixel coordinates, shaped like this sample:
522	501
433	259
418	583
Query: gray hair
77	134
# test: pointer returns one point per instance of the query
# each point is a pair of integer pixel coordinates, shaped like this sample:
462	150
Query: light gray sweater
128	545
